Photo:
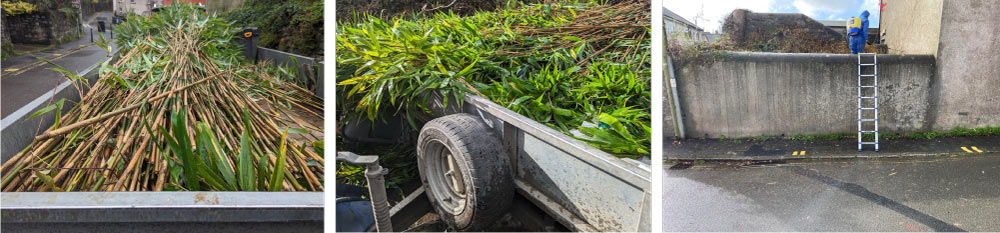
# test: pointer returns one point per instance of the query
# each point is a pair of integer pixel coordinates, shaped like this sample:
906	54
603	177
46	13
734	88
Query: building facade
964	38
678	28
139	7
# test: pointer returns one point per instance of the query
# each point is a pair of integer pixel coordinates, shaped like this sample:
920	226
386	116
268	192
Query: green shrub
17	8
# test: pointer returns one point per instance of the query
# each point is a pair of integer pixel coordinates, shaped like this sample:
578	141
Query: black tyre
465	171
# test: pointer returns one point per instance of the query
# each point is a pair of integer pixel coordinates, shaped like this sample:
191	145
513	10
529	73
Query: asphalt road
957	193
25	78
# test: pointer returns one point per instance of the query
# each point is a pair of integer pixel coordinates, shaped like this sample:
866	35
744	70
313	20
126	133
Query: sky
709	14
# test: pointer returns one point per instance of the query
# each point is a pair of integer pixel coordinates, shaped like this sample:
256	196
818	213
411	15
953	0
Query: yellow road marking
966	149
977	149
40	63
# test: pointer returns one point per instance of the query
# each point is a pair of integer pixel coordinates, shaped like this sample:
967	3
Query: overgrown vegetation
181	109
294	26
574	66
18	7
781	40
684	52
792	40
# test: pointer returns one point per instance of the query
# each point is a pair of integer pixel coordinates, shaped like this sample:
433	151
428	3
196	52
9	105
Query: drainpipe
676	104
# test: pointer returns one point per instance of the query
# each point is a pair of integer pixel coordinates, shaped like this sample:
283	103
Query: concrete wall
752	94
911	27
969	65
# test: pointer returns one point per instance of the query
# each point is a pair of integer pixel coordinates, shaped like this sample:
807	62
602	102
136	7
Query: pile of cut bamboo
111	140
600	25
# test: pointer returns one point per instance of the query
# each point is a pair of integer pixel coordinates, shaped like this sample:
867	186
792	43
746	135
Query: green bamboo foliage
179	109
580	68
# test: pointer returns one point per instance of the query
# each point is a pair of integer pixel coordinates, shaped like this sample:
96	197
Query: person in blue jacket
857	42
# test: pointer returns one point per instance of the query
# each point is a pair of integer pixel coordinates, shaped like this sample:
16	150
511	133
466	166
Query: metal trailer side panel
570	179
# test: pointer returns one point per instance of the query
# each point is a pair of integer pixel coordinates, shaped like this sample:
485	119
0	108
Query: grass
957	132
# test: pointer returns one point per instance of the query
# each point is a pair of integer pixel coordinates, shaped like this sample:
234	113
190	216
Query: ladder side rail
859	103
875	68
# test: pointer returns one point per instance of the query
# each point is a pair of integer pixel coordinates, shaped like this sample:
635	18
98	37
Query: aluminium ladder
862	83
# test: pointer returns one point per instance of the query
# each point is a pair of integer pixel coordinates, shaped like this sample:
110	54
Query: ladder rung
868	64
869	143
866	53
867	97
866	75
868	131
868	119
866	108
868	86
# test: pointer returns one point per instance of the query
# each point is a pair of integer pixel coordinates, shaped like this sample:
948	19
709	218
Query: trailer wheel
466	173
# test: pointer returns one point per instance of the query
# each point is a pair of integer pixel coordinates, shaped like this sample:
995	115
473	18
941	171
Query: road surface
25	78
951	193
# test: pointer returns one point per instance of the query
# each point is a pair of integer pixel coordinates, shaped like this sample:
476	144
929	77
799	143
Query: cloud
818	8
873	8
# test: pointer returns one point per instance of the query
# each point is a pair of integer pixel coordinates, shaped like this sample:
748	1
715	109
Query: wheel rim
444	176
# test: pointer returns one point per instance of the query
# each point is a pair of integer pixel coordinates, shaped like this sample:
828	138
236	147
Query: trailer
156	211
476	162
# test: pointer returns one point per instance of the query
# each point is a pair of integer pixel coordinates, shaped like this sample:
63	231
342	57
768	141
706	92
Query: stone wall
41	27
3	29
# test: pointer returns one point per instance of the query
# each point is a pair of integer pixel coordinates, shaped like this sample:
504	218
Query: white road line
26	109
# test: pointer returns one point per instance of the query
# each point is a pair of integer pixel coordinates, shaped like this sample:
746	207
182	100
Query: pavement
960	192
25	78
782	149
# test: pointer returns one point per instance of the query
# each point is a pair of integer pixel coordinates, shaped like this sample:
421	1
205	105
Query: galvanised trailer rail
161	211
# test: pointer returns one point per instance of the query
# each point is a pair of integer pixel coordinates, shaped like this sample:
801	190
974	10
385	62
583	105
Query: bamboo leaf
247	175
279	167
181	146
